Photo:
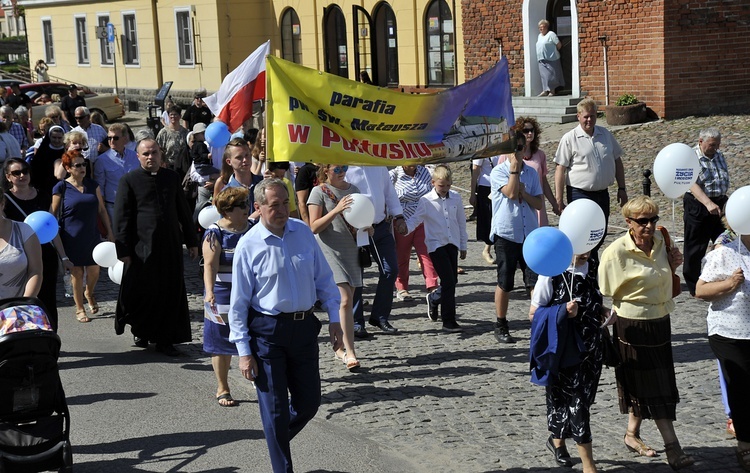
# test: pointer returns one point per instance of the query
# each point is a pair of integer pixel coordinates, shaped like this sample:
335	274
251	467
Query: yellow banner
322	118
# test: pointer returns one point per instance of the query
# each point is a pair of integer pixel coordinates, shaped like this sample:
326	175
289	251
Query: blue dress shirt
511	219
272	275
110	167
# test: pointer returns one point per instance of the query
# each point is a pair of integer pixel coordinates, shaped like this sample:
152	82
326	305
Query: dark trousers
734	359
700	228
602	200
288	379
484	214
383	251
445	261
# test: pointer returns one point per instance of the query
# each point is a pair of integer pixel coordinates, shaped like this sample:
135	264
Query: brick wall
681	57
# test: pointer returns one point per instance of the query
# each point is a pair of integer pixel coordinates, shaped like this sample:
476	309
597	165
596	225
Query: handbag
676	287
610	355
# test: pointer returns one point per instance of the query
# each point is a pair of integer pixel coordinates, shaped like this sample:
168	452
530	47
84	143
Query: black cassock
152	221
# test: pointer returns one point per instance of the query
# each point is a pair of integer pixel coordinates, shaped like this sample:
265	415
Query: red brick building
681	57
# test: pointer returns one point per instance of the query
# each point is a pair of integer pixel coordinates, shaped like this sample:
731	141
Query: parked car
109	105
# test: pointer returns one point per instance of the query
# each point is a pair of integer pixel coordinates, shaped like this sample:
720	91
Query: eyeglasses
81	116
20	172
113	138
78	165
645	221
528	130
240	205
340	169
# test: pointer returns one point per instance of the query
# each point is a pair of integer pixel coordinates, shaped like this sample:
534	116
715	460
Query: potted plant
626	110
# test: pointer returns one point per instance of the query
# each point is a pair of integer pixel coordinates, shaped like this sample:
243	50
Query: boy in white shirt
442	212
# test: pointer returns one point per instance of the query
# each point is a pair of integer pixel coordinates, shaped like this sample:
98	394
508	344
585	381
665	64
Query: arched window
439	41
291	42
334	30
386	45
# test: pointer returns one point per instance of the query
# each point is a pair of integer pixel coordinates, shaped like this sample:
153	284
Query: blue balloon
548	251
44	225
217	134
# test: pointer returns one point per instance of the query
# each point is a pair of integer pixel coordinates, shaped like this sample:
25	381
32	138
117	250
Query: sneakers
432	306
501	332
403	295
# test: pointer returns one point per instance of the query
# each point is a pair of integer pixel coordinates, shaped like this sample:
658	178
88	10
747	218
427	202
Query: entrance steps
557	109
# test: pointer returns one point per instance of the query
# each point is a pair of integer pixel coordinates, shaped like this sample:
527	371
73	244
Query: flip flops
228	400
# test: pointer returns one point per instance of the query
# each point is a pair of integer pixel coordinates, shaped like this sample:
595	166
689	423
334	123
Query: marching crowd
264	272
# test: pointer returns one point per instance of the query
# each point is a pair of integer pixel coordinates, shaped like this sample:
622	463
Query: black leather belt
299	315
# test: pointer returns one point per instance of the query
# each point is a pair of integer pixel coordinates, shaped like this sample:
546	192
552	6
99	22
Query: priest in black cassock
152	221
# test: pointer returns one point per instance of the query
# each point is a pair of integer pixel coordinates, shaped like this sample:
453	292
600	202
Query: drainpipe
603	39
157	44
455	44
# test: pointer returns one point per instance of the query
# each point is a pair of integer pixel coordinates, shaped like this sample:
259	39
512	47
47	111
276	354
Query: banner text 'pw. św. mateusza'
323	118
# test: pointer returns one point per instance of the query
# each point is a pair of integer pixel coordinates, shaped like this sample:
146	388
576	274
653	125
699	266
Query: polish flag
233	102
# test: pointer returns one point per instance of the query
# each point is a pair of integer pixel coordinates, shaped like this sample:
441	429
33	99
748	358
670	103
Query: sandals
226	400
743	458
351	363
678	459
81	316
641	449
93	306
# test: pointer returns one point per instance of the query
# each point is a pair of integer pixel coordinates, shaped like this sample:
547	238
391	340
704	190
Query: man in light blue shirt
112	165
279	271
516	196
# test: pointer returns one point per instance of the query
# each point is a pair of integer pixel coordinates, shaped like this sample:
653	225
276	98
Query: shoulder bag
676	288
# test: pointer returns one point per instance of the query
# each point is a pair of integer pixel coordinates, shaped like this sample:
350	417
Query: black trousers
734	359
484	214
445	261
700	228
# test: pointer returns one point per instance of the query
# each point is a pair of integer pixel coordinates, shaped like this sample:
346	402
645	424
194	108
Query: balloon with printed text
676	169
583	222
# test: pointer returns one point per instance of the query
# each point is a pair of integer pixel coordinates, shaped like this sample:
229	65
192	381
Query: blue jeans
383	251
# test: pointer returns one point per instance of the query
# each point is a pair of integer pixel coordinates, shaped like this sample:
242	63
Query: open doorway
563	19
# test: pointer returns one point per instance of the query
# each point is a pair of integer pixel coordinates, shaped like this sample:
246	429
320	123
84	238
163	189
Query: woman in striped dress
218	252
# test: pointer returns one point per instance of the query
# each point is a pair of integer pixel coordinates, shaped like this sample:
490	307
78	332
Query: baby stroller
34	417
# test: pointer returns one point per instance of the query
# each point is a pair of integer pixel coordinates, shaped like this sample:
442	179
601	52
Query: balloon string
569	284
674	202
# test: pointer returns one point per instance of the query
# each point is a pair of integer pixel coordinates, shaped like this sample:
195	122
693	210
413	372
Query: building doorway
563	19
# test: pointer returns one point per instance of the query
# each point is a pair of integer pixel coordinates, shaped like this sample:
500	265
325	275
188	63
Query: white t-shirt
485	168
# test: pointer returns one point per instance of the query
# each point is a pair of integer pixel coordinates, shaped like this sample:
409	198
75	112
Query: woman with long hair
21	200
338	240
79	202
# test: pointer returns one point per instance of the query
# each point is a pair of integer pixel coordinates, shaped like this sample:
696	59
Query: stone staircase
558	109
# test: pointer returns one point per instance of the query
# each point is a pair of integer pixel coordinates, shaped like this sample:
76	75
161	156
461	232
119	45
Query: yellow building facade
197	43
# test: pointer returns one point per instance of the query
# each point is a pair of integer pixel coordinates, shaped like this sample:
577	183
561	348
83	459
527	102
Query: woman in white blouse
548	47
723	283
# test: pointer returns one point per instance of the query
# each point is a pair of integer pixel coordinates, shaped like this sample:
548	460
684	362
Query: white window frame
105	55
82	40
49	44
127	60
190	63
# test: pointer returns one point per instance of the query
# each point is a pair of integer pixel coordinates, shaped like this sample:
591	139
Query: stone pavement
465	403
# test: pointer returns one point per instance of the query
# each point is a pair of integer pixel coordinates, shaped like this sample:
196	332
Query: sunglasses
528	130
56	117
20	172
113	138
78	165
645	221
340	169
81	117
240	205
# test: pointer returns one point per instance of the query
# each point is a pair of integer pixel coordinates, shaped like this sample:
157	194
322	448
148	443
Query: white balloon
115	272
738	210
676	168
583	222
361	214
105	254
208	216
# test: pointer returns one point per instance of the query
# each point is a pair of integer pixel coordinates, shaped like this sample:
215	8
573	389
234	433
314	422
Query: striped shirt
714	175
409	189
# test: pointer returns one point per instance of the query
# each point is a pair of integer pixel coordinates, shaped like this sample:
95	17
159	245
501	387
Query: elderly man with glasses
113	164
95	134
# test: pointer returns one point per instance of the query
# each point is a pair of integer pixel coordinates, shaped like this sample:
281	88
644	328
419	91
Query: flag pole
264	113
